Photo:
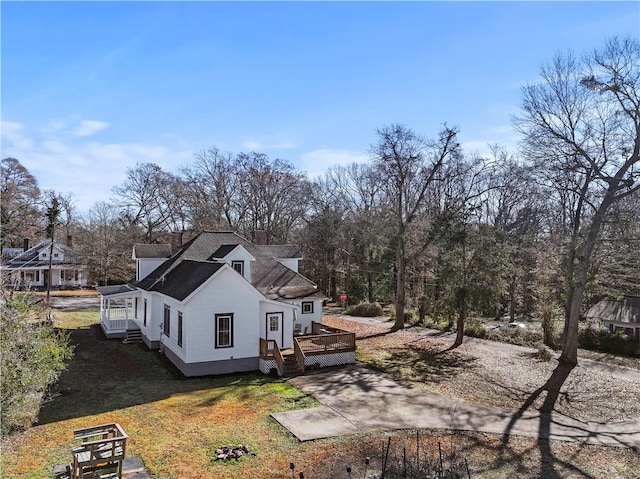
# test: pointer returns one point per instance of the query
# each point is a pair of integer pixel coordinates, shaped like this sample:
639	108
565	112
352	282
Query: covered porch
323	347
118	309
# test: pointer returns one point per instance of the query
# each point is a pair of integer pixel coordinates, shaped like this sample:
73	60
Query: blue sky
91	88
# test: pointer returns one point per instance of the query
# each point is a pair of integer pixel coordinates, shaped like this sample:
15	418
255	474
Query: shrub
475	329
612	343
520	337
409	315
33	355
365	309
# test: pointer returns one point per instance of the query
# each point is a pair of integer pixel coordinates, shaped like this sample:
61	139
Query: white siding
286	333
241	254
291	263
146	266
305	319
227	292
171	342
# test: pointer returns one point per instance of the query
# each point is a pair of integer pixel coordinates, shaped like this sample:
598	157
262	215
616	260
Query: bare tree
148	199
105	245
408	166
583	120
211	187
19	203
274	196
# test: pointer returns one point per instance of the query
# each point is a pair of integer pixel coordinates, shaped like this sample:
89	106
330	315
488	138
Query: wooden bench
101	452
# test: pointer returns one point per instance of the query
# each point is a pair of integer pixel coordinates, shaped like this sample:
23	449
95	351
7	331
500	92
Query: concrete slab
315	423
358	399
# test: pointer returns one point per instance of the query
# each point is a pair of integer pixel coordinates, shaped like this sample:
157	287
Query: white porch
118	310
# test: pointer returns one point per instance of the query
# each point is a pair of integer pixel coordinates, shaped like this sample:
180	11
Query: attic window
55	255
307	307
238	266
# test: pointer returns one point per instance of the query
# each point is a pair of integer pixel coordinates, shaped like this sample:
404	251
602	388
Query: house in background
622	315
222	304
28	267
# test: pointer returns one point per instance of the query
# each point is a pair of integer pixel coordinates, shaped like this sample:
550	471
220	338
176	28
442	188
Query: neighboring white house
221	304
29	267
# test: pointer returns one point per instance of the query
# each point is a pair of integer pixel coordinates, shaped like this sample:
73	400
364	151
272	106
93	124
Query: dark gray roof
224	250
623	311
116	289
270	277
282	251
185	278
149	251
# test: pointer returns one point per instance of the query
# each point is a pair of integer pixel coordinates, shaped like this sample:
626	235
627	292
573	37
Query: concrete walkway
356	399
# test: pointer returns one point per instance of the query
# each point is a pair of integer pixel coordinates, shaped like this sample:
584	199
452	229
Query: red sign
343	297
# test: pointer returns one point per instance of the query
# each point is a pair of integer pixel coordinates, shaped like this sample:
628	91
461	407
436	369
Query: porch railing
115	324
120	313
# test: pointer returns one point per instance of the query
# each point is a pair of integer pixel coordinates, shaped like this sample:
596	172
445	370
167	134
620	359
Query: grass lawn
175	424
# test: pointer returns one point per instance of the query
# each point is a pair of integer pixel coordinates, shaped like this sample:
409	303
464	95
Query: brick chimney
70	241
260	237
176	241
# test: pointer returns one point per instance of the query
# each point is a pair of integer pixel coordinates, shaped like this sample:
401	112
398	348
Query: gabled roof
185	278
270	277
30	256
623	311
151	251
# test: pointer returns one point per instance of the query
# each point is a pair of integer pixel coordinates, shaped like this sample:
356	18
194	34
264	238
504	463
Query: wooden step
132	336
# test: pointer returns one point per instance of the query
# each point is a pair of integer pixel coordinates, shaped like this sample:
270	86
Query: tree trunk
400	283
569	354
462	317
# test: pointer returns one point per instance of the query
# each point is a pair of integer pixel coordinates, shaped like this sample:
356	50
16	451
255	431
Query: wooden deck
323	340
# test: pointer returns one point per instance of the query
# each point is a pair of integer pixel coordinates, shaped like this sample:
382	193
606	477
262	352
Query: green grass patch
76	319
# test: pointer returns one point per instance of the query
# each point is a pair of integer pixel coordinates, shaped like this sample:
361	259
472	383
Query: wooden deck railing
300	356
325	339
269	350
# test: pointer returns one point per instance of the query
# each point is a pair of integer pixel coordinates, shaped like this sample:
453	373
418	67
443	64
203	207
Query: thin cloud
90	127
73	164
12	132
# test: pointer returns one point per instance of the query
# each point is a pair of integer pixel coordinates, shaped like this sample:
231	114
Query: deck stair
291	366
132	336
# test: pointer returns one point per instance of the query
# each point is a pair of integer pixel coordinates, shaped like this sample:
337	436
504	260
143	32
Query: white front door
274	328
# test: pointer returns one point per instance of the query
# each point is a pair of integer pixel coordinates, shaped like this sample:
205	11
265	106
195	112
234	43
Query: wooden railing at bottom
102	449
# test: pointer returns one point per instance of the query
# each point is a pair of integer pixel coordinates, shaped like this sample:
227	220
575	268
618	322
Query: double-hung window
180	328
224	331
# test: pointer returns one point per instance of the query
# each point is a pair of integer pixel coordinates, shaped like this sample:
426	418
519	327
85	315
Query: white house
29	267
222	304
